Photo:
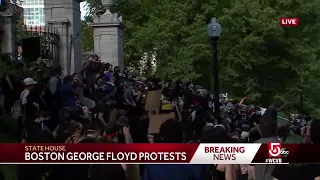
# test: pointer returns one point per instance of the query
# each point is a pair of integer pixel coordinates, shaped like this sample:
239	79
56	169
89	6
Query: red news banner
272	153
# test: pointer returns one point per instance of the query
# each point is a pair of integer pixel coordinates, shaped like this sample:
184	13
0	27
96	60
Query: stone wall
64	16
8	19
108	38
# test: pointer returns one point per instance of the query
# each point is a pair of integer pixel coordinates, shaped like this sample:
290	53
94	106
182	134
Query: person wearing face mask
254	117
223	99
117	76
177	90
190	86
189	97
166	89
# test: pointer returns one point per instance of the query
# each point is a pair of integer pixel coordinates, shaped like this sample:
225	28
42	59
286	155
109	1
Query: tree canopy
86	36
258	58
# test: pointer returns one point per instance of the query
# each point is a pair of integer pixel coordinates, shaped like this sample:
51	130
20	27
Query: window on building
34	16
36	12
26	11
26	2
42	20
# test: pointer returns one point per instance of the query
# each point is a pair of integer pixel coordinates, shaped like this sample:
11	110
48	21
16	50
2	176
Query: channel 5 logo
275	150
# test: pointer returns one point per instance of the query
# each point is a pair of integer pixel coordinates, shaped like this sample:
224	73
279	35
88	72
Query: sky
83	9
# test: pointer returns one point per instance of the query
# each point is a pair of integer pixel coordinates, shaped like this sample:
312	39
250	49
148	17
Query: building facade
33	11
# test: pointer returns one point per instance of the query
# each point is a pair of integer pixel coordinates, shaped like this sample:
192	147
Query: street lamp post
214	32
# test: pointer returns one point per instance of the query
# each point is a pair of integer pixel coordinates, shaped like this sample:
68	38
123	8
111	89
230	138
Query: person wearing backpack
18	109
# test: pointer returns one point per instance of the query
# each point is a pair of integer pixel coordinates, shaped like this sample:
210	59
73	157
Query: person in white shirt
29	83
53	82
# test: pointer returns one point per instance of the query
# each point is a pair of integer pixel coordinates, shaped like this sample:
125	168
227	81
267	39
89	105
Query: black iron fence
36	44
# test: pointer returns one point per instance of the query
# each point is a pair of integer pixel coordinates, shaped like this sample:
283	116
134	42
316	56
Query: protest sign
155	121
153	100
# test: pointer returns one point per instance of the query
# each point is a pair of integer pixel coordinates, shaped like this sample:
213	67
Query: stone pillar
108	38
64	17
8	28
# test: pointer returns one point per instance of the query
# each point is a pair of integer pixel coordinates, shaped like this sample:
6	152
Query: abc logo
284	152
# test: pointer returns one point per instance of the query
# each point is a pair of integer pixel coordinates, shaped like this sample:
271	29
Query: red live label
289	21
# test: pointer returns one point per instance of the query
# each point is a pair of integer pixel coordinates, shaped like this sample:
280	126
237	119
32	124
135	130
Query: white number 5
275	149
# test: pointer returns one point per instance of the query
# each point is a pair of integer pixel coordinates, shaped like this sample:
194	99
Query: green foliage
22	33
20	71
258	58
95	7
86	37
5	63
7	66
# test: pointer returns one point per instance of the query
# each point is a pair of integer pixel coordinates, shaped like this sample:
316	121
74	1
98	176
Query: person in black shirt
103	111
189	96
177	90
166	89
35	104
36	132
8	88
116	75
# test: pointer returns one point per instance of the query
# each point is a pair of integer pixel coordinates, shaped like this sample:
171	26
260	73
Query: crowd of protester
50	110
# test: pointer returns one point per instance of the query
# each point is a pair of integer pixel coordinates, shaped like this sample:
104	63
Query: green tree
258	58
86	37
134	14
95	7
21	31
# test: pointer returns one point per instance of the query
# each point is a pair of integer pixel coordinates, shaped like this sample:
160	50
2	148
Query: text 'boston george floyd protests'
104	156
60	153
